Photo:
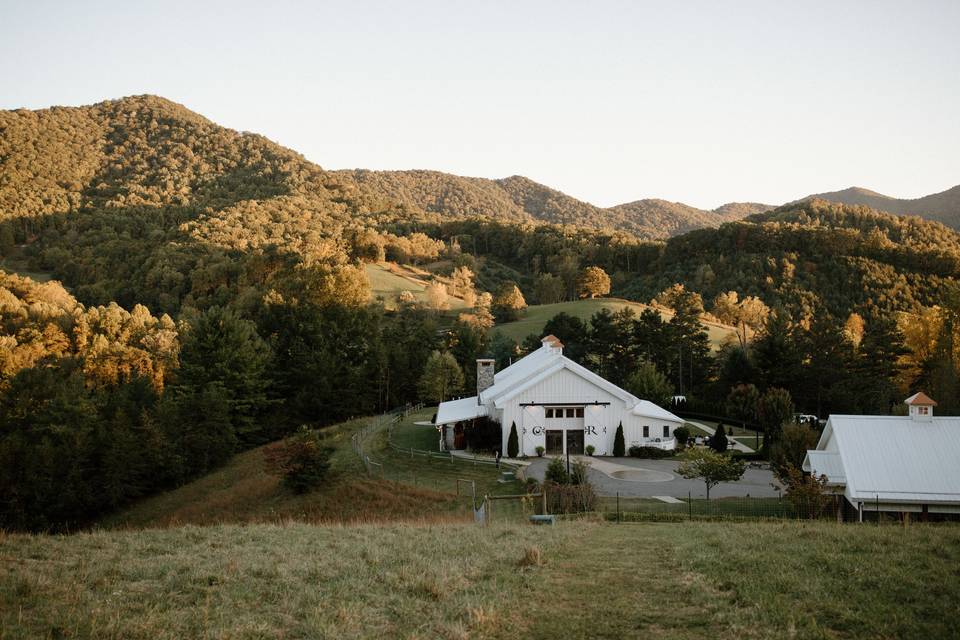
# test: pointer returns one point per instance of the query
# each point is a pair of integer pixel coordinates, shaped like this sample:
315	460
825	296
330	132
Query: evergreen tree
225	351
619	446
572	332
718	442
776	353
513	442
878	364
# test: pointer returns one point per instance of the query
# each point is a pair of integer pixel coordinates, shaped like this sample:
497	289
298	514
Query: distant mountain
517	198
942	207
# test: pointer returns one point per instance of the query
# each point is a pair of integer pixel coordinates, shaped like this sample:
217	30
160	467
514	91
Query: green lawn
575	580
536	317
424	437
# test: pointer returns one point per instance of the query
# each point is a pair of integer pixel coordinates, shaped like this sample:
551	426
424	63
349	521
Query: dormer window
923	411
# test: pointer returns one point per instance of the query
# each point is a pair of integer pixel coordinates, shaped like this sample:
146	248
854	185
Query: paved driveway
755	483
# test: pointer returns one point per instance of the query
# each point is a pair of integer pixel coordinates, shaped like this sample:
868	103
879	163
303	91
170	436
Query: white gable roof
649	410
893	458
825	463
453	411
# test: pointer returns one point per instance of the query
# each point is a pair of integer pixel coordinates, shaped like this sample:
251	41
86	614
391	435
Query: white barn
558	405
902	464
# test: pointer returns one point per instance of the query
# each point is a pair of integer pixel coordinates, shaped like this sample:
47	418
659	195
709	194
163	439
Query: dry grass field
575	580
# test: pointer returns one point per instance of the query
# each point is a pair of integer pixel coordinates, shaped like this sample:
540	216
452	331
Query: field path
628	583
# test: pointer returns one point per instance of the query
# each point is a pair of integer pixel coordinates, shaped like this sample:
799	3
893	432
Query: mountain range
57	160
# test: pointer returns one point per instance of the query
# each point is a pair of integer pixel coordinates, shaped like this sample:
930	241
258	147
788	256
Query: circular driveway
648	478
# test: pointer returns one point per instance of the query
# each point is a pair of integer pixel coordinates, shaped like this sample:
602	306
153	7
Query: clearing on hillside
536	316
389	280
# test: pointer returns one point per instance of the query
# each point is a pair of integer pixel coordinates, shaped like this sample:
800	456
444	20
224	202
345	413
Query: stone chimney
921	406
485	370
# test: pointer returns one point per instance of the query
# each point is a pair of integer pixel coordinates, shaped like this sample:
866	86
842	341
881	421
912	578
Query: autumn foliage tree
593	282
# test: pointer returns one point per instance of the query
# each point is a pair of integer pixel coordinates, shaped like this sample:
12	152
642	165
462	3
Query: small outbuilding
556	404
901	464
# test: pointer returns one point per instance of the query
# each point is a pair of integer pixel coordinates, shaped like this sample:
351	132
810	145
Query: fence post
689	505
618	506
543	492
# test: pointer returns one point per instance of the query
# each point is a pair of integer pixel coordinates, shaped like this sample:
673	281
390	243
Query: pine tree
223	349
619	446
513	443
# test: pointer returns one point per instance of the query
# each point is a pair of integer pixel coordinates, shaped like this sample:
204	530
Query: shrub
302	461
682	434
556	472
807	494
484	435
513	442
652	453
570	498
540	450
718	442
590	449
619	446
578	474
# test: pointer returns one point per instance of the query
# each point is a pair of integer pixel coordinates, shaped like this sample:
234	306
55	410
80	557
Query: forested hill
941	207
520	199
815	255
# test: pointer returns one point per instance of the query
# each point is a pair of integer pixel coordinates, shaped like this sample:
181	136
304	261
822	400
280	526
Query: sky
698	102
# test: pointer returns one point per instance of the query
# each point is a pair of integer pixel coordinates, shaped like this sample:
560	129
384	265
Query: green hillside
536	316
242	491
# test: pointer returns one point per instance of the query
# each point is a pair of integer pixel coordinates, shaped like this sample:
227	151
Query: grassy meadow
575	580
536	316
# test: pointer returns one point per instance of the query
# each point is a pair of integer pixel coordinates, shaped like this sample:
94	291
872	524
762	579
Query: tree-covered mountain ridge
518	198
64	159
940	207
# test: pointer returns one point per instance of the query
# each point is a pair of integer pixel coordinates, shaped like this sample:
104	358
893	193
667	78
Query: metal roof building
557	406
892	463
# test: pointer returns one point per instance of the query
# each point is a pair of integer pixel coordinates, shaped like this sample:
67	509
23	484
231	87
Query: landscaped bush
302	461
618	443
483	435
682	434
652	453
556	472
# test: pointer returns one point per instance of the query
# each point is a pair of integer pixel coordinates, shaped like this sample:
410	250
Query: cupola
921	406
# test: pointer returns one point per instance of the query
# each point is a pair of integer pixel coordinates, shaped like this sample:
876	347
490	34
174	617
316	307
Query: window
571	412
646	431
666	431
549	413
923	410
579	412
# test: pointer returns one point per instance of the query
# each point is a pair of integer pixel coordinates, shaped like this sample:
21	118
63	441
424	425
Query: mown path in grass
621	581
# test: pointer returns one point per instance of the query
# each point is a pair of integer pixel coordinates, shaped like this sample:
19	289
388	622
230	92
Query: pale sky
699	102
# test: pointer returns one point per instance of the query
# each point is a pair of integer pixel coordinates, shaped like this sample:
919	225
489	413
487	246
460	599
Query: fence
433	470
633	509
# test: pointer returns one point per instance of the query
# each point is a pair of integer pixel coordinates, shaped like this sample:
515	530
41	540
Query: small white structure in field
558	405
897	464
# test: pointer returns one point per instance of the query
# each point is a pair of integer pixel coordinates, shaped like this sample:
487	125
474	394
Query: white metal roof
897	458
825	463
538	366
655	411
453	411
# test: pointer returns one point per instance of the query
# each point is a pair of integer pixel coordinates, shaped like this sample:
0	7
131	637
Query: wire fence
634	509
